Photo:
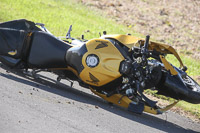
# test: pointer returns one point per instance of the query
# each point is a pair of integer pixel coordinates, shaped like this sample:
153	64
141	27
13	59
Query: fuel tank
96	62
101	62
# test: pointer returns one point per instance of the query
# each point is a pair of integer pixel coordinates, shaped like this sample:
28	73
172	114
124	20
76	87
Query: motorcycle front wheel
193	89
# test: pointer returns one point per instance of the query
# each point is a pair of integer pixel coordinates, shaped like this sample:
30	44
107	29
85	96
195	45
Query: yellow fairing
109	61
131	41
168	66
127	40
117	99
125	102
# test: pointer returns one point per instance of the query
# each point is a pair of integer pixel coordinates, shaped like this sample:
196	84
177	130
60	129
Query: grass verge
57	15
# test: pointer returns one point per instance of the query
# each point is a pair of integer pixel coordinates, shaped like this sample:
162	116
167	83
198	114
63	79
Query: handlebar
144	51
146	44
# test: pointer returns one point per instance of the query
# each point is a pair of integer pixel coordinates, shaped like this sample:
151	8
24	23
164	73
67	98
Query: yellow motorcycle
117	68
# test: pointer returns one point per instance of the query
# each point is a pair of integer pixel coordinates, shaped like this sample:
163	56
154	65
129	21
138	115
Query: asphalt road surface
44	106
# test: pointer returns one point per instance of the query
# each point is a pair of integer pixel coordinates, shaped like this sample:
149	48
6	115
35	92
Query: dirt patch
168	21
196	78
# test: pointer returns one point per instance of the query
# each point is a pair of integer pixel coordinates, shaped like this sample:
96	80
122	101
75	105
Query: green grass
57	15
193	65
193	108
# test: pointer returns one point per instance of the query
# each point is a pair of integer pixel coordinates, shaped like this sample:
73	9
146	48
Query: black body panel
8	61
122	48
21	24
136	108
12	40
47	51
74	57
173	87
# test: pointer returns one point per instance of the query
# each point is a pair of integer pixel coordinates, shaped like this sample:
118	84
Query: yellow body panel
127	40
117	99
124	101
12	52
168	66
109	61
131	41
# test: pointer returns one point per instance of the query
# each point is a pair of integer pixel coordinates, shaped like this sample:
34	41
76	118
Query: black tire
193	90
191	84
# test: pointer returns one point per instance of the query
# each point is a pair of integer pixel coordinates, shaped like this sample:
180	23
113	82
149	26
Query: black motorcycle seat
47	51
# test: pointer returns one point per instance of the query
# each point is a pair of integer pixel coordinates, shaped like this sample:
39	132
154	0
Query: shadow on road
63	90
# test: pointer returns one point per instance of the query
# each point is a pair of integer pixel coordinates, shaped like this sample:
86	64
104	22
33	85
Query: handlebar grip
146	44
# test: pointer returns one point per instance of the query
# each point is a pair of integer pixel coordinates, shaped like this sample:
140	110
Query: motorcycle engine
148	76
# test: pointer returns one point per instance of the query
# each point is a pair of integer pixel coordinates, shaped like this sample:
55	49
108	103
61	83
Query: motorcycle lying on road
117	68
